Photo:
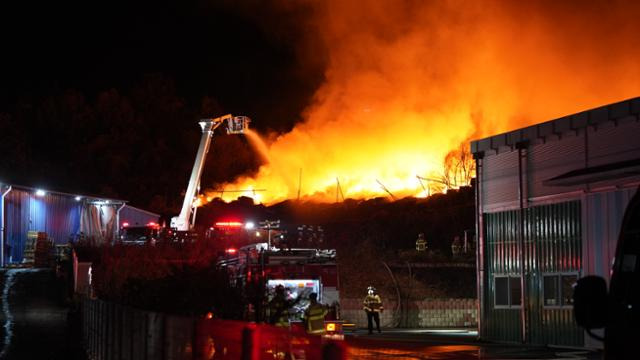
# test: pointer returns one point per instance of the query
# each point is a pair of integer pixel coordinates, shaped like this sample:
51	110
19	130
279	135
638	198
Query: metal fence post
104	329
110	331
250	343
93	328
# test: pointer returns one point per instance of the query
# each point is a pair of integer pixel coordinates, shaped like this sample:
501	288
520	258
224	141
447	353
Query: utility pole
339	190
425	188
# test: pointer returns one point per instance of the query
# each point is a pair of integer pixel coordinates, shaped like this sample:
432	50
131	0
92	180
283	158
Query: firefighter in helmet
279	308
373	308
314	315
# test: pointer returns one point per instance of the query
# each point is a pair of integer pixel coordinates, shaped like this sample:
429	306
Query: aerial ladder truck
185	221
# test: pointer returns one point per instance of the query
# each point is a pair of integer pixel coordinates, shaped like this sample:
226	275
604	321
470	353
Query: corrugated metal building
550	201
134	216
64	217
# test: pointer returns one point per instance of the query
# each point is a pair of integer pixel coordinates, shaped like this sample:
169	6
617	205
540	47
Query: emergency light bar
229	224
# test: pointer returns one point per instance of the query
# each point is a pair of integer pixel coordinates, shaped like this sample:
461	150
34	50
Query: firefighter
314	315
279	308
373	308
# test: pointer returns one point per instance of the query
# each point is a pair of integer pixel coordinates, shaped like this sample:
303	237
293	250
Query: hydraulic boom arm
235	125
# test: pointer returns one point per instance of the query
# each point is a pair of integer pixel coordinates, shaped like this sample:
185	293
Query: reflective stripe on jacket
372	303
314	316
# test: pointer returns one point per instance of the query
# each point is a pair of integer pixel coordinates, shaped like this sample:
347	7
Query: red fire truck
258	269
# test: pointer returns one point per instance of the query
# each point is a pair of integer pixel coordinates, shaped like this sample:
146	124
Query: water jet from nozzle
258	145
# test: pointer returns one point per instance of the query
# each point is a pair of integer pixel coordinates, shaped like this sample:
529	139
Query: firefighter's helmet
371	288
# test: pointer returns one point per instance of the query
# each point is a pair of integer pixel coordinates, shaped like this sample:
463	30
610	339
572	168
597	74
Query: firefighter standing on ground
373	308
314	315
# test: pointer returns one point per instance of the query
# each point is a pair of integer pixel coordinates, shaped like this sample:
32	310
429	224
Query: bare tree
459	167
458	170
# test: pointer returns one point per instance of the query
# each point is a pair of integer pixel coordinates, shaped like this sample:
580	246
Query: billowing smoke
409	81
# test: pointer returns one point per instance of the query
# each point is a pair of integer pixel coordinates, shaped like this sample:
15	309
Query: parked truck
616	311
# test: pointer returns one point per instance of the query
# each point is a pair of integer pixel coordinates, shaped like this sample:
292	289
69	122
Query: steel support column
521	241
2	224
480	272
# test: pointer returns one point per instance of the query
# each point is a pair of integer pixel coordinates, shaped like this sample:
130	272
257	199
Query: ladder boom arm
182	222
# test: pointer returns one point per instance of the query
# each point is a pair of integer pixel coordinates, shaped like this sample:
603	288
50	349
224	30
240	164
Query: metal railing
111	331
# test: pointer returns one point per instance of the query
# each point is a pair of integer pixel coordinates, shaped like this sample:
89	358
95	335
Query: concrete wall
427	313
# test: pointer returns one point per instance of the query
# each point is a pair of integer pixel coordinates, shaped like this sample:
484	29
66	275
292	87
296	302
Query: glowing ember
408	83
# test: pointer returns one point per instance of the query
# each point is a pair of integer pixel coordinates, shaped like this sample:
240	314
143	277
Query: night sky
104	97
246	57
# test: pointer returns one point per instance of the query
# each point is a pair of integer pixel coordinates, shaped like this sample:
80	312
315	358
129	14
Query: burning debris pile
408	84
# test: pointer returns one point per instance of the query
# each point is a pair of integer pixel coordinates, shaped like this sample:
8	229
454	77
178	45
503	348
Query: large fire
408	82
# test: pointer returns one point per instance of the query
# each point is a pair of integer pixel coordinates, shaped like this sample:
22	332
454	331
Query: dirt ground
36	318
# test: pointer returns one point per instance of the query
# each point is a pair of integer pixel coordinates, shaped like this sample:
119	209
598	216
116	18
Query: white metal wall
500	179
602	216
603	203
607	143
553	158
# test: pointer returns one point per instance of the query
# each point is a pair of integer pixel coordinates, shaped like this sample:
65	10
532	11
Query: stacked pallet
42	250
28	253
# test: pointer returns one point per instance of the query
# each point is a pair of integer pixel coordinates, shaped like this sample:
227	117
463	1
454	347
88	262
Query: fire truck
140	235
258	268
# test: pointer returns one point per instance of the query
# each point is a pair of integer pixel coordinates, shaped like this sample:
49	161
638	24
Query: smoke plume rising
409	81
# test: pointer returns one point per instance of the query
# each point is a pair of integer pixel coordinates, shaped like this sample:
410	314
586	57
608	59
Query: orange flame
407	82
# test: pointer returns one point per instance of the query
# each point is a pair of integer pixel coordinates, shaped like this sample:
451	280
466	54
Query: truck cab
617	310
140	235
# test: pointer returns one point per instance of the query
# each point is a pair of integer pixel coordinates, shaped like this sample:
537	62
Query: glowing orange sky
408	81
